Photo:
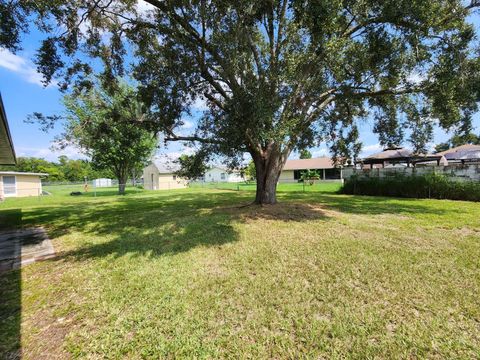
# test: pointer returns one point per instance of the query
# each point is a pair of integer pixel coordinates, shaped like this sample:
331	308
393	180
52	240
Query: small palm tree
310	176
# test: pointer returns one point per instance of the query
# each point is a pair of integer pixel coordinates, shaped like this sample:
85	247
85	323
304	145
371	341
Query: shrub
433	186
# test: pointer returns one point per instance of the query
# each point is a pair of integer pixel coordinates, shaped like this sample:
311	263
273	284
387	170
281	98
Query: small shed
160	175
103	182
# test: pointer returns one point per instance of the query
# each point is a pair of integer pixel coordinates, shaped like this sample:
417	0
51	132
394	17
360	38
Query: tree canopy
107	125
277	75
64	169
305	154
191	167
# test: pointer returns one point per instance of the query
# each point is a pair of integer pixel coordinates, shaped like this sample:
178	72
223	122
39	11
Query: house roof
7	152
165	166
393	153
306	164
401	154
460	148
463	152
22	173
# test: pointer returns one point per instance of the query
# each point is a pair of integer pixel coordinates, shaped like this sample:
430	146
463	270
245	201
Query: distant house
222	174
160	175
292	171
20	184
462	154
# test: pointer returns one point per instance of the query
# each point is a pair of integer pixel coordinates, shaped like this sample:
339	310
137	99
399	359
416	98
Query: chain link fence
82	189
293	186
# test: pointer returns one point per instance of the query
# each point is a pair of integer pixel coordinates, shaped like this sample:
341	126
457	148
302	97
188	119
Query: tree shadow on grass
368	205
156	226
10	297
175	222
167	224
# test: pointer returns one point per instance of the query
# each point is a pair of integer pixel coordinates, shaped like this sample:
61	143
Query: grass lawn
189	273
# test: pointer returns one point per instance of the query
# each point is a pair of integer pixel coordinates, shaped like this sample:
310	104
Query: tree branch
173	137
196	39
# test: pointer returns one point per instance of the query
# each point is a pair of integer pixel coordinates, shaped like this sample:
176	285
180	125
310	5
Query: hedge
433	186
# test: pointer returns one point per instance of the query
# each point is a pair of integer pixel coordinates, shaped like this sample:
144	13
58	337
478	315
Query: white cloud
371	149
320	152
187	124
143	7
49	154
415	78
169	156
199	104
23	67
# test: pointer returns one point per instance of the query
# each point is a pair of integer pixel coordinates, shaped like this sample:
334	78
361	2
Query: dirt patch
48	342
281	211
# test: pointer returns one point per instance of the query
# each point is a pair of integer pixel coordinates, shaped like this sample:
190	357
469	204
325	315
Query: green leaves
276	76
111	128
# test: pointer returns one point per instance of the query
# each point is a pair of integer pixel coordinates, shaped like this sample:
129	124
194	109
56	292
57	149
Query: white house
221	174
292	171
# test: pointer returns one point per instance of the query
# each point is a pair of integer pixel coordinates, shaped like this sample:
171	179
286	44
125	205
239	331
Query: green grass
189	273
282	187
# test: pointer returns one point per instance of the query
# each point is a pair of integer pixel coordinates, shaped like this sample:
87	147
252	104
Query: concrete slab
24	246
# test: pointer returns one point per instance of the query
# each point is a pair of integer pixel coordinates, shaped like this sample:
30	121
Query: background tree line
64	169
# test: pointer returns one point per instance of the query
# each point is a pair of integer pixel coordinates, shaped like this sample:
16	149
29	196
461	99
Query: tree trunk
268	168
122	182
121	188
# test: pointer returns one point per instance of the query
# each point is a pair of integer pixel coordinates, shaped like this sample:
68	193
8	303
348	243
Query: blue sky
23	93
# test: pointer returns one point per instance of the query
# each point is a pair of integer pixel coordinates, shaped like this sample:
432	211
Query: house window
222	176
9	185
152	179
174	177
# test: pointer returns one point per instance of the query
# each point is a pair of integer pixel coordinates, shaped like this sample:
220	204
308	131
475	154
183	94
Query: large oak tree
277	75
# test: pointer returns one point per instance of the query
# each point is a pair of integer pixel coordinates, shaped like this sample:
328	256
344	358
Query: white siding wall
286	176
153	180
221	175
150	177
25	185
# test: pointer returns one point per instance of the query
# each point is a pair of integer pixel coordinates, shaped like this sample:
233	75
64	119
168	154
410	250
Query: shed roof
306	164
7	152
22	173
165	166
